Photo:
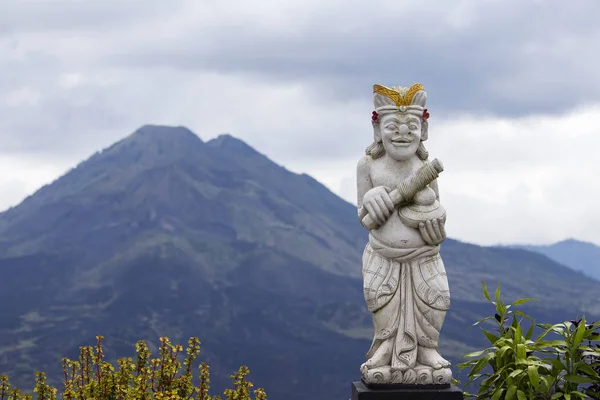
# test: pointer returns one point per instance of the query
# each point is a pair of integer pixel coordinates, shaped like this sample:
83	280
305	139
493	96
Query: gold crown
401	99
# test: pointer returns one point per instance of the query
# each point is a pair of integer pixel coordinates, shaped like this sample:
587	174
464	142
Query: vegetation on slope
161	378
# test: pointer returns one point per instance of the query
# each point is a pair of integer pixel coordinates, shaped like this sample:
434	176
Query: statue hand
379	204
433	231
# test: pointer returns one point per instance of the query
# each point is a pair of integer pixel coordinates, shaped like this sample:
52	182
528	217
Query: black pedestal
405	392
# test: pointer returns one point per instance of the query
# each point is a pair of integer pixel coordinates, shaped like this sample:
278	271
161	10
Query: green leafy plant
518	366
573	358
594	358
508	368
161	378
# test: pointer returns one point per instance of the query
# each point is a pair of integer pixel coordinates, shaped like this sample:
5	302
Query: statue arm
364	184
434	185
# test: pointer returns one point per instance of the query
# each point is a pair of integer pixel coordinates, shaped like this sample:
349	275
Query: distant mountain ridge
148	167
576	254
163	234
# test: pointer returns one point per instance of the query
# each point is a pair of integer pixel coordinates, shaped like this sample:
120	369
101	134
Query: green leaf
547	329
474	354
515	373
558	328
466	364
522	314
555	343
500	309
544	384
487	382
502	350
534	376
481	364
498	394
485	291
557	395
583	366
521	353
583	396
579	332
497	294
490	336
505	369
510	393
557	365
515	322
523	301
482	320
594	353
521	395
518	334
578	379
529	332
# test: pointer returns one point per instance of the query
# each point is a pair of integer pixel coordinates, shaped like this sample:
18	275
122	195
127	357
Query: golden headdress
400	99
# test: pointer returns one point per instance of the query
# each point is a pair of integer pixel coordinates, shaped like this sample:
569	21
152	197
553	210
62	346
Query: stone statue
404	279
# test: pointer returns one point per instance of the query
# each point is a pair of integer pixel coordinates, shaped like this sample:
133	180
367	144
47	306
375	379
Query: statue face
400	135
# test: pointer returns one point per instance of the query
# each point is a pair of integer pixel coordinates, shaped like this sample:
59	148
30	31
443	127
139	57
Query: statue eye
391	126
413	127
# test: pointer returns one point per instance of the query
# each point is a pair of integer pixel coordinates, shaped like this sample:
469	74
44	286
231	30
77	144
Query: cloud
67	16
527	180
22	96
513	92
491	57
22	175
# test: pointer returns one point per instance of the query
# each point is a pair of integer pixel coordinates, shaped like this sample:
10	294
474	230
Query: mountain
578	255
162	234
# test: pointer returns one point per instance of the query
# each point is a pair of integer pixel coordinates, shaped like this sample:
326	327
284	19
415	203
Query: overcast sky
513	89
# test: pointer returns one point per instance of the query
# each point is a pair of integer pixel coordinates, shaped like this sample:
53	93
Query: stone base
420	375
404	392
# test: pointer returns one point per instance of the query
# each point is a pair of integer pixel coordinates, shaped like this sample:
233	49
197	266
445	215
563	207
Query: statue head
399	122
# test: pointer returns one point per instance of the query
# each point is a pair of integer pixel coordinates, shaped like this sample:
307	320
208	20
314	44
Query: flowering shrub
162	378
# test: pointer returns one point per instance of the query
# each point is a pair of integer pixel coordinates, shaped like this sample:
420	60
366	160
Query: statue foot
431	358
382	356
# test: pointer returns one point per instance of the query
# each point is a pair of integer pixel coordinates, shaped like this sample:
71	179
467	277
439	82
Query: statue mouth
402	142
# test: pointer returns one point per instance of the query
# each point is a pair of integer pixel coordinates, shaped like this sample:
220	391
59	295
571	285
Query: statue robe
407	292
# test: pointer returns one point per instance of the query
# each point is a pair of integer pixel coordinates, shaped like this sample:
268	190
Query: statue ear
376	132
424	131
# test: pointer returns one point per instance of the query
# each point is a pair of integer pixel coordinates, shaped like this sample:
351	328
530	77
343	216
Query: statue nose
404	129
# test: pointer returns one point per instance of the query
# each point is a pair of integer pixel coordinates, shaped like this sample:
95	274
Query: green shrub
162	378
518	366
